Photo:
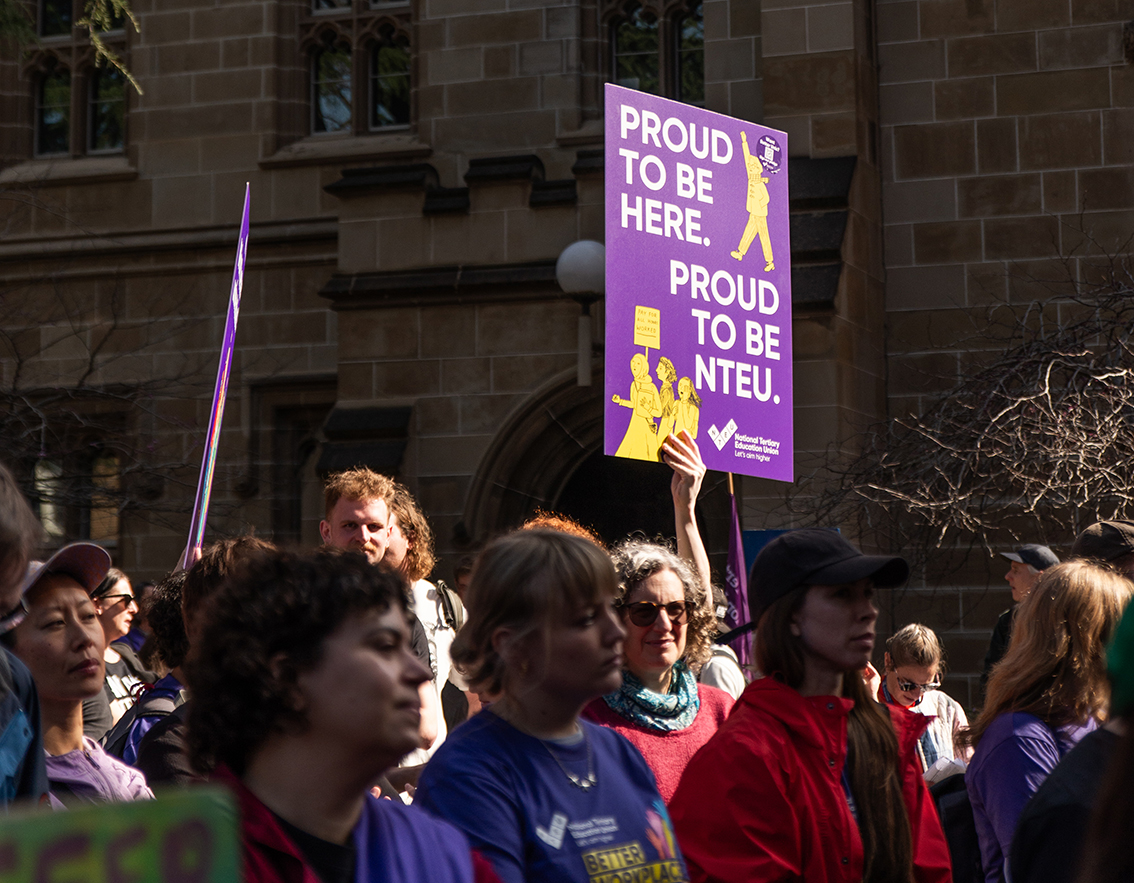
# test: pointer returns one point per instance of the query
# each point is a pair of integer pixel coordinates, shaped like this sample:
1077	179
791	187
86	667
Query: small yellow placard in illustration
647	327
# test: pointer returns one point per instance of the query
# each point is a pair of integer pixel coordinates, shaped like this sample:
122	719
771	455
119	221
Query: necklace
585	783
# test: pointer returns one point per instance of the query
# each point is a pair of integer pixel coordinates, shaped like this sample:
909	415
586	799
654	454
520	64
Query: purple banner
736	587
698	285
216	417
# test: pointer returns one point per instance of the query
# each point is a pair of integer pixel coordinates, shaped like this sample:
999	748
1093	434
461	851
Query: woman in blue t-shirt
543	795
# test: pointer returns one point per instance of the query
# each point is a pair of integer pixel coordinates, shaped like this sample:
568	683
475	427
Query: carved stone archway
534	454
550	447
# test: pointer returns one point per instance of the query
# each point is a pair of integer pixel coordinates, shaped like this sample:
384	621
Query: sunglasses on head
645	613
909	686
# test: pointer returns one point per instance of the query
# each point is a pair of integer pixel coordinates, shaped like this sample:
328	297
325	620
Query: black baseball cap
815	557
1039	557
1105	540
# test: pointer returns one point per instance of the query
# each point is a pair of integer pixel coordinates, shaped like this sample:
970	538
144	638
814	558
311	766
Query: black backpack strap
148	706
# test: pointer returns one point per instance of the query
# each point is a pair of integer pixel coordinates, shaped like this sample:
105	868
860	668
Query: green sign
182	837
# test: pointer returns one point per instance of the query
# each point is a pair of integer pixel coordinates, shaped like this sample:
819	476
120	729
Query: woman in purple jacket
1048	692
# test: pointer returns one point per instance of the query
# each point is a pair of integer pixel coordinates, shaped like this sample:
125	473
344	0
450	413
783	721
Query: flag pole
216	415
736	581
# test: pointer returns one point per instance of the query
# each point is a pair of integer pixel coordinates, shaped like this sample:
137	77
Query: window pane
636	52
48	489
330	99
390	85
105	486
107	110
53	116
691	58
55	17
322	5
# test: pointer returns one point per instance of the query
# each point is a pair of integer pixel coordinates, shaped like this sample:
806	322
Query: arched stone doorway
548	455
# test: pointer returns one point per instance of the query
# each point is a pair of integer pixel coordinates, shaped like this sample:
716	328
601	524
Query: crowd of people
565	712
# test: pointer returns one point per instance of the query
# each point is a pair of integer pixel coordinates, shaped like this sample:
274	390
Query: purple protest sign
220	393
698	285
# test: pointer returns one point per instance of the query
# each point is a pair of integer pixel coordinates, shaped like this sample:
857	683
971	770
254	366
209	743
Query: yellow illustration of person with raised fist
757	206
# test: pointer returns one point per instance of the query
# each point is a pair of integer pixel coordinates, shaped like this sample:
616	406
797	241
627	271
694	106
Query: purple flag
736	588
216	417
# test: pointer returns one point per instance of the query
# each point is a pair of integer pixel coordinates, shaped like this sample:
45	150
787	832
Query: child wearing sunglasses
912	669
660	707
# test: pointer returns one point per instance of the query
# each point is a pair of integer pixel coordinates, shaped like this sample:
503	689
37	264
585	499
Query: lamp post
581	273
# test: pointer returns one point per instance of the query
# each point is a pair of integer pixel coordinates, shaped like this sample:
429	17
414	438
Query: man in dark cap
1028	562
1109	541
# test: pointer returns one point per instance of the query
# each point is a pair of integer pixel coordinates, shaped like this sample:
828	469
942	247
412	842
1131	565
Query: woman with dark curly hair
544	795
305	689
660	707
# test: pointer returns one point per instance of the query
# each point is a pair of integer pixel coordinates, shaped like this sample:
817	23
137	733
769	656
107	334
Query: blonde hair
414	526
525	581
359	483
1055	667
916	644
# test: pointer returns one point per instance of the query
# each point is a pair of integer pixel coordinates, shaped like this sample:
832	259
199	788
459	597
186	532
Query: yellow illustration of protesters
641	439
667	377
757	206
688	408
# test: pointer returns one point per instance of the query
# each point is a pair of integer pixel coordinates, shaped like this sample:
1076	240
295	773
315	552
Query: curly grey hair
635	561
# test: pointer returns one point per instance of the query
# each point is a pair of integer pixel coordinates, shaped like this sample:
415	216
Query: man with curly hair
358	504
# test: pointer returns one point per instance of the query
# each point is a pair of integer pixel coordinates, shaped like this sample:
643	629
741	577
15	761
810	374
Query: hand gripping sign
698	285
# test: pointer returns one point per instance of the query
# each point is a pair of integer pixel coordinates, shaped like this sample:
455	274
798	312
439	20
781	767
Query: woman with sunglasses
115	605
810	779
543	795
660	707
912	670
1046	694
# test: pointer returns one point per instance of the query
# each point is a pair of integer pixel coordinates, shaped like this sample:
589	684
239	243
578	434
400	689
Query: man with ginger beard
357	505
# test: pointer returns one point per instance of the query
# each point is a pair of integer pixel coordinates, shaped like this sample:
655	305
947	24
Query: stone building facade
417	167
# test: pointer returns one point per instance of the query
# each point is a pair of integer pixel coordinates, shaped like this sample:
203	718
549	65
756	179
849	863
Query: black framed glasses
909	686
14	617
645	613
111	600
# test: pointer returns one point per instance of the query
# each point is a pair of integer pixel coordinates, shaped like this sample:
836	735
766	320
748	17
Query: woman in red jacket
810	779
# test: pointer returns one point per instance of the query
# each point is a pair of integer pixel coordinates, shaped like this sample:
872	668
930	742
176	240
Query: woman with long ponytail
810	779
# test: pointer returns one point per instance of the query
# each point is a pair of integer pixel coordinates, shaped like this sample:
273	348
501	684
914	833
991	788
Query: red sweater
667	753
763	801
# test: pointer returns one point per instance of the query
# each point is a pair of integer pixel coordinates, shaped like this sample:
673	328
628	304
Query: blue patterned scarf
661	712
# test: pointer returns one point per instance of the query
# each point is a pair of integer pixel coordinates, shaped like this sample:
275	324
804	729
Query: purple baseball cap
86	563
